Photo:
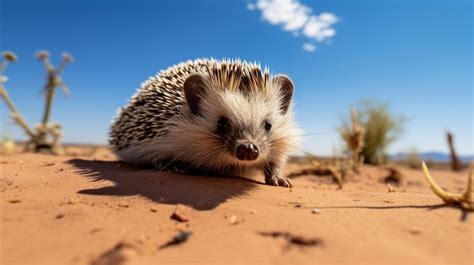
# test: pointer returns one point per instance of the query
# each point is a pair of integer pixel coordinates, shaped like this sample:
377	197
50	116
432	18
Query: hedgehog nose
247	152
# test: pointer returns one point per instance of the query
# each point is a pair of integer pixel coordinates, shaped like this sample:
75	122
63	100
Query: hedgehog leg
274	176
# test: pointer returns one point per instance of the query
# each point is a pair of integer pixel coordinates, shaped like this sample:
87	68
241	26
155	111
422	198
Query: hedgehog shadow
199	192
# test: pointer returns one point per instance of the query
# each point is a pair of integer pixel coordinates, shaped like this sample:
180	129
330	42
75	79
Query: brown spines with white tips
159	99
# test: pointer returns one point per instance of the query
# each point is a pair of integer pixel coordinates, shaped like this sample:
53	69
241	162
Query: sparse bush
381	128
413	159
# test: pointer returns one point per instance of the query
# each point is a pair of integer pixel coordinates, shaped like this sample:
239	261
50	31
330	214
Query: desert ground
88	208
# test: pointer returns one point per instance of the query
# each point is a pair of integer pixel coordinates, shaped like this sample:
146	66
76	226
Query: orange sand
94	210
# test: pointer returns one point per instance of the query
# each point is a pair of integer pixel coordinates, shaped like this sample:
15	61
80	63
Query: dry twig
465	200
455	163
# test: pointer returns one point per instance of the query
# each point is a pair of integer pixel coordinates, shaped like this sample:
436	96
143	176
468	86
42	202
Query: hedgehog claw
283	182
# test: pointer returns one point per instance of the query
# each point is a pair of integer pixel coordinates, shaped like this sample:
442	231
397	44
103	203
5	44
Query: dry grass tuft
380	127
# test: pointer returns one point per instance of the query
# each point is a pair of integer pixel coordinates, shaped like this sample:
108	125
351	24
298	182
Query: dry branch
455	163
465	200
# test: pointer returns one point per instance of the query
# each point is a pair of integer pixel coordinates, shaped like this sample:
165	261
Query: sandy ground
94	210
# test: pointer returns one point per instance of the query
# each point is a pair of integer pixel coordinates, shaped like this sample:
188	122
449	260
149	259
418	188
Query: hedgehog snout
247	151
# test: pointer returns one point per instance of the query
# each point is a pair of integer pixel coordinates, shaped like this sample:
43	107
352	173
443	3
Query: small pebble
181	213
59	216
233	220
315	211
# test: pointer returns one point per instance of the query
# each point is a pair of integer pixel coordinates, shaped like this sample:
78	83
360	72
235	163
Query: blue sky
415	55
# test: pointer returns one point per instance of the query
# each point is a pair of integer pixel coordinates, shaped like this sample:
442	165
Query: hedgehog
212	117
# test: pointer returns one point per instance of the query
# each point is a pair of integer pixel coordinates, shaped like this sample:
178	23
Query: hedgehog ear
194	89
285	85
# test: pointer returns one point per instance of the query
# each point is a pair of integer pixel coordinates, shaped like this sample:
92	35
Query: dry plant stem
455	164
50	92
47	109
465	200
355	153
53	81
14	113
354	137
47	113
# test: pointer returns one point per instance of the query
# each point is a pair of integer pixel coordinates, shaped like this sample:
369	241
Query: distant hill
433	156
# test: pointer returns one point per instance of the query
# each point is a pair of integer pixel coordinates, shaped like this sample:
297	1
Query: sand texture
94	210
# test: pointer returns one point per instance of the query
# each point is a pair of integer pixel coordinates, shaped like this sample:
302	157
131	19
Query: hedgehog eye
223	125
268	126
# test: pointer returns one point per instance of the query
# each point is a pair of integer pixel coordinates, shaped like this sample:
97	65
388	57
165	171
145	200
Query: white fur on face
196	140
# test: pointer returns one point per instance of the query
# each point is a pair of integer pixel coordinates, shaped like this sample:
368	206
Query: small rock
253	211
59	216
233	220
315	211
153	210
181	213
14	201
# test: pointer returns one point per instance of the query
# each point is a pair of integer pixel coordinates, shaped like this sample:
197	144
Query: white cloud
319	27
309	47
297	18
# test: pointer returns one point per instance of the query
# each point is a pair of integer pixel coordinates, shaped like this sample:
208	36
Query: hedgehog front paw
274	176
277	181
